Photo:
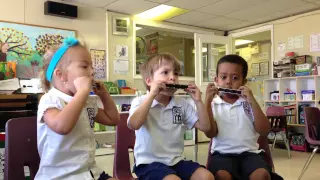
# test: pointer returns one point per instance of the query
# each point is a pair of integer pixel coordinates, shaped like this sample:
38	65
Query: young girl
66	115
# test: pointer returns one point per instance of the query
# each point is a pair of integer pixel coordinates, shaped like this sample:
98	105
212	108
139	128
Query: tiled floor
289	169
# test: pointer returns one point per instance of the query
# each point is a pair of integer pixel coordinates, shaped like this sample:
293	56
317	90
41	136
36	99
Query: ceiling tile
218	22
191	4
300	9
235	26
264	9
136	6
267	17
228	6
159	1
191	18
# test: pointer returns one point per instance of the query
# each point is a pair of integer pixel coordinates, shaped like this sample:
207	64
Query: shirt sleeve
47	102
191	115
134	106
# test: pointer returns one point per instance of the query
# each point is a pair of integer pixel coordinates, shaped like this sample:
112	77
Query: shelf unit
295	84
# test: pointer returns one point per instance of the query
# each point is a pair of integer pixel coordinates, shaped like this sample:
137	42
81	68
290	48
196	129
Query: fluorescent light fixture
138	28
242	42
161	12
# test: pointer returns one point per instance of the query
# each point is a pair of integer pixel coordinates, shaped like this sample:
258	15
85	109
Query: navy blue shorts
157	171
240	166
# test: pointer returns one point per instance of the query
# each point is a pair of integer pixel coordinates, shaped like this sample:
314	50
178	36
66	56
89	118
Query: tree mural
44	42
17	43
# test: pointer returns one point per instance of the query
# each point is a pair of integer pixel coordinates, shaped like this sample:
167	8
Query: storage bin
289	96
308	95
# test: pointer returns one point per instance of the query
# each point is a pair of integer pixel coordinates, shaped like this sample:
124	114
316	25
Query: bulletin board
25	45
99	63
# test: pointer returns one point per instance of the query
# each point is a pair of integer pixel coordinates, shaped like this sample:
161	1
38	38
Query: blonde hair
154	62
62	64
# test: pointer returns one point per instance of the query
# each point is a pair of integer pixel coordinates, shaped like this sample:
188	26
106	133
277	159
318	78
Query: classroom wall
114	40
90	24
304	24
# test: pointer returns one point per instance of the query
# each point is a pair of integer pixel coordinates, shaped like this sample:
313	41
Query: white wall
90	24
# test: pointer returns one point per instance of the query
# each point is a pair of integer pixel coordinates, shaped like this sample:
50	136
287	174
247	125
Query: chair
263	144
21	135
125	139
278	121
312	122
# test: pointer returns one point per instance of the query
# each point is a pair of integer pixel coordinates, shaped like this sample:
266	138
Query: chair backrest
278	120
312	122
263	144
21	148
125	139
275	111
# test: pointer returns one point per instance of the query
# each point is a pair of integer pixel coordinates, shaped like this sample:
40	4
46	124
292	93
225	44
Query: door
208	50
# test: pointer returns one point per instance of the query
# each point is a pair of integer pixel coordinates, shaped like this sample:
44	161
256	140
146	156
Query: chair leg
305	167
274	141
196	152
287	144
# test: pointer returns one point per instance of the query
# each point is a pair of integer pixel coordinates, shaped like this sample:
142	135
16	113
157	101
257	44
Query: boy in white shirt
236	123
160	121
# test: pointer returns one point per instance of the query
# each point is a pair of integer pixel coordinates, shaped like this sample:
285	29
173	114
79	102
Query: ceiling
214	14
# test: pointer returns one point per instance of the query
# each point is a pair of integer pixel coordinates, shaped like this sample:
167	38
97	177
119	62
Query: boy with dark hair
236	123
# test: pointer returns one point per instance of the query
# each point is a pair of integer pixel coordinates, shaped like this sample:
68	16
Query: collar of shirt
171	104
219	100
63	96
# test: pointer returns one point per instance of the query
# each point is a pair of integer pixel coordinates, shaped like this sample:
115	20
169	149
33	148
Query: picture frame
120	26
255	69
264	68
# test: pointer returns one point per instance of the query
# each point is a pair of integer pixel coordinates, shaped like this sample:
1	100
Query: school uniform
235	148
70	156
159	144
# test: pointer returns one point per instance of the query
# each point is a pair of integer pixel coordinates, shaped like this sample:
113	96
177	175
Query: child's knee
202	174
223	175
171	177
260	173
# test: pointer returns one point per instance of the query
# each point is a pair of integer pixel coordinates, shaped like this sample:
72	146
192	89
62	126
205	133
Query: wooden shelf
105	132
269	101
311	101
288	101
298	125
123	95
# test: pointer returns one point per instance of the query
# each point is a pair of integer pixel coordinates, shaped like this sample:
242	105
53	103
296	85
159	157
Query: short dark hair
234	59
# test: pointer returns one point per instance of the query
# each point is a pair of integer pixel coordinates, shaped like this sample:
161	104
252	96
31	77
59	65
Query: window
152	40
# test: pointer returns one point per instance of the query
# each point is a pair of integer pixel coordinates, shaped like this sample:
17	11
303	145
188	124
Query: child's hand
246	93
211	91
83	83
194	92
100	90
156	87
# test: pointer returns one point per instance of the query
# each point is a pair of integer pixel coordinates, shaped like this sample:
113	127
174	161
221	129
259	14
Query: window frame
164	26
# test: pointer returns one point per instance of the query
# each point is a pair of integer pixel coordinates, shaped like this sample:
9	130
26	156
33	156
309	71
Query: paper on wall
121	66
282	49
315	42
298	42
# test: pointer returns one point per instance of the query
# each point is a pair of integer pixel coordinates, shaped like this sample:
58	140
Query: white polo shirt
70	156
161	137
235	123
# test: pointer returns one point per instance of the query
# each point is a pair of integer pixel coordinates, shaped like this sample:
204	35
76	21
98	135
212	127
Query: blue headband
68	42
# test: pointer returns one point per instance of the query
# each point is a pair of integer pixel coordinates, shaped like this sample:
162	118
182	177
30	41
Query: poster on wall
99	63
24	46
264	68
122	52
255	69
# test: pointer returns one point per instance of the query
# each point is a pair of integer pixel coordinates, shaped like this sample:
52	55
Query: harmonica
230	91
95	85
176	86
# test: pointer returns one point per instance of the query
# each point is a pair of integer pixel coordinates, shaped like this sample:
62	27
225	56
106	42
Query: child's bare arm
109	115
139	116
210	93
63	121
203	123
137	119
261	122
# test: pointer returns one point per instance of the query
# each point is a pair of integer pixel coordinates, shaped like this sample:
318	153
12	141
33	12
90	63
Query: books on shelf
290	111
